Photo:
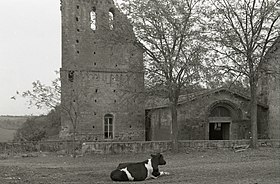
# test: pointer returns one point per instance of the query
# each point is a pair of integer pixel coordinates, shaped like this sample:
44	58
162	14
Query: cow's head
157	159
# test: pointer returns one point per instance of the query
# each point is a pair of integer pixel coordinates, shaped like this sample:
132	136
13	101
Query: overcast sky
30	49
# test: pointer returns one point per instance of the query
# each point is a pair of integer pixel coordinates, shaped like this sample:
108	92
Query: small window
111	19
93	19
108	126
71	76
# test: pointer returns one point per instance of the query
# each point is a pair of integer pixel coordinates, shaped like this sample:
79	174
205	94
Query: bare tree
169	33
241	32
49	97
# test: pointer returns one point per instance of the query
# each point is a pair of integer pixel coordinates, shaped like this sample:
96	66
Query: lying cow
139	171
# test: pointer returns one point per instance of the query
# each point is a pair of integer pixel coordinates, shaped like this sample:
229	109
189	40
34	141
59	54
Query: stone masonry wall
164	146
273	93
66	147
102	71
194	123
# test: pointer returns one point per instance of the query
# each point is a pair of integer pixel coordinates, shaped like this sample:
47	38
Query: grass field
12	122
197	167
9	125
6	135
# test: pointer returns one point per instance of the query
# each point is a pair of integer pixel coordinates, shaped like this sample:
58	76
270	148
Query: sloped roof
158	102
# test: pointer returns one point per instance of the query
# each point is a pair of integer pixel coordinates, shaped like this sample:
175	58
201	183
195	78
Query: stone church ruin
102	85
102	74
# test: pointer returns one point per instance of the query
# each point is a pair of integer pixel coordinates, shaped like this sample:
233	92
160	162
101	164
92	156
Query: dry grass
212	166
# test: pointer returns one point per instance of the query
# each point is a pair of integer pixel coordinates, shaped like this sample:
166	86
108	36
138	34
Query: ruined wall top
98	18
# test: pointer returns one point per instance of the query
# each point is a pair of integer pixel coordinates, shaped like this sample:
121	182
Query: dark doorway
219	127
219	131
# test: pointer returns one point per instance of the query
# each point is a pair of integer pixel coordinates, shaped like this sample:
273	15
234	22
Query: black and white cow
139	171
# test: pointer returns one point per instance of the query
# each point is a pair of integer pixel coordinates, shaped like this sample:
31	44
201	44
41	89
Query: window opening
71	76
108	126
93	19
111	19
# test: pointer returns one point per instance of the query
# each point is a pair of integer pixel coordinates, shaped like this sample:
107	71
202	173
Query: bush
40	127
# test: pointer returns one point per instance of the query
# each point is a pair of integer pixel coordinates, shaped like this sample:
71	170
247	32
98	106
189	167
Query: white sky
30	49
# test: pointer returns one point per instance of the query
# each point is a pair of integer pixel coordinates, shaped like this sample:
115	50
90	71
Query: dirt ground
260	166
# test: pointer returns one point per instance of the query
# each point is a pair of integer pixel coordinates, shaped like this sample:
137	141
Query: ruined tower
102	76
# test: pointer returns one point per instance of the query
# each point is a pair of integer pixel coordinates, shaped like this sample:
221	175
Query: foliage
39	128
241	33
169	33
44	96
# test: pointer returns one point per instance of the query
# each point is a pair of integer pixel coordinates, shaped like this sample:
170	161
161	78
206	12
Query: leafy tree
49	97
241	32
169	33
40	128
42	95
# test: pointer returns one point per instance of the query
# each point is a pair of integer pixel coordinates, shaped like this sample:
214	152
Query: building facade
102	77
218	114
102	84
221	114
270	89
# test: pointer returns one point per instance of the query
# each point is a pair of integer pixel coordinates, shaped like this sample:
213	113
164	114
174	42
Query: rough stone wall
194	123
271	88
164	146
102	71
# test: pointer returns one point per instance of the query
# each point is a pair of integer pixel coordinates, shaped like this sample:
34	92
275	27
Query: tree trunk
74	142
254	113
174	129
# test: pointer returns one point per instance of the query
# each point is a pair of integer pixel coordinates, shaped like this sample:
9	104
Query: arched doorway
220	120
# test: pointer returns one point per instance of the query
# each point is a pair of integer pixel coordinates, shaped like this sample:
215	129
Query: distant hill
9	125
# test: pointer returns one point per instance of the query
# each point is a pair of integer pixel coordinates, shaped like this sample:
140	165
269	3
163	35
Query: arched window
108	126
220	111
93	19
111	19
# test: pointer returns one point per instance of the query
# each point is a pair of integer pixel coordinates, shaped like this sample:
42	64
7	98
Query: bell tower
102	74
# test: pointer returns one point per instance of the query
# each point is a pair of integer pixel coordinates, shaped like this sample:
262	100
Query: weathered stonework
270	89
194	117
102	71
